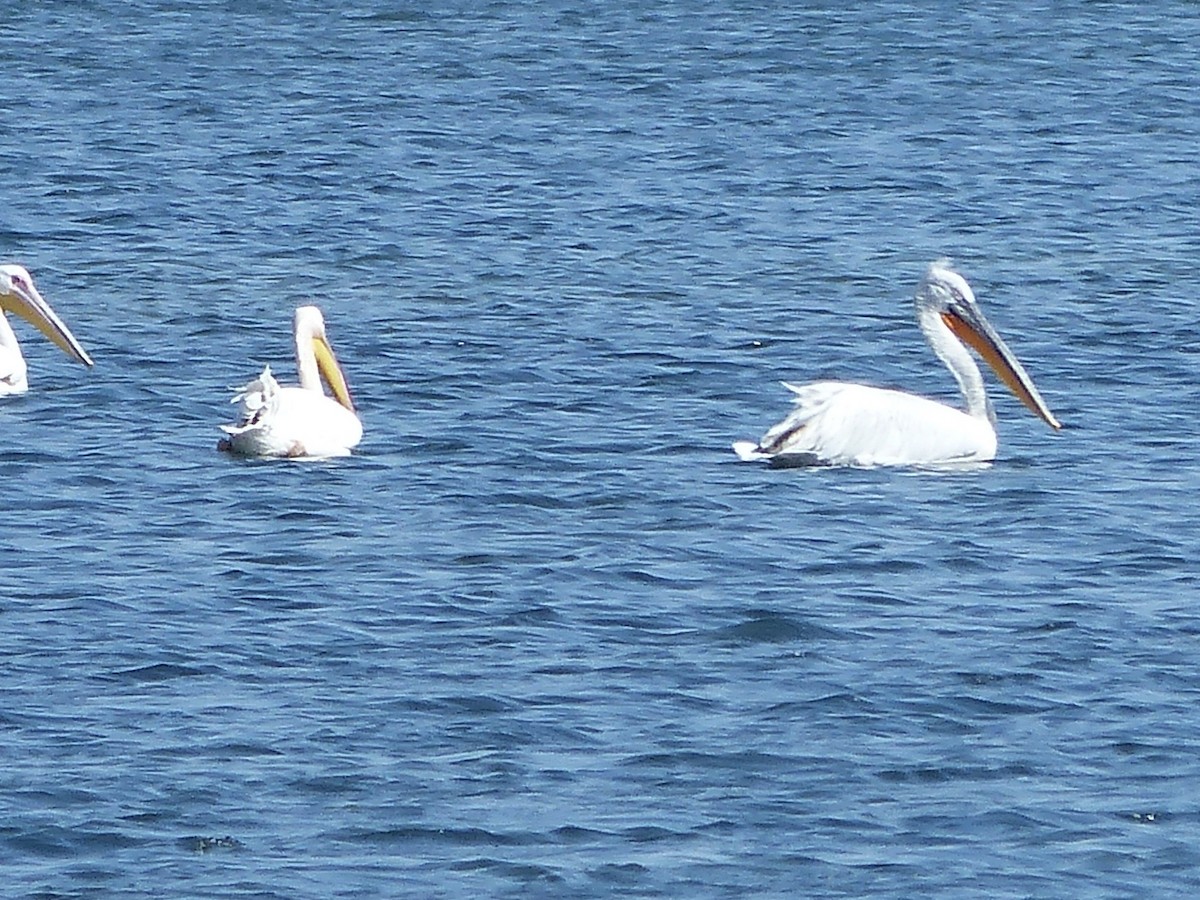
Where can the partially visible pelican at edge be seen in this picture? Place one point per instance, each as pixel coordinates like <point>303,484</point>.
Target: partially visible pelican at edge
<point>839,423</point>
<point>291,421</point>
<point>18,295</point>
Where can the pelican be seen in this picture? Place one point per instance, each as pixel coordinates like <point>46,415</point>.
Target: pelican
<point>298,421</point>
<point>18,295</point>
<point>836,423</point>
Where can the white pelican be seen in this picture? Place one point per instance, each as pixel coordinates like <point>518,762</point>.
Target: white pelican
<point>298,421</point>
<point>835,423</point>
<point>18,295</point>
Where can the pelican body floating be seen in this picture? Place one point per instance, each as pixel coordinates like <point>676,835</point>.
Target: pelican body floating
<point>839,423</point>
<point>297,421</point>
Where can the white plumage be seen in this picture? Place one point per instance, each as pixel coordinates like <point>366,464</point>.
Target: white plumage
<point>19,295</point>
<point>297,421</point>
<point>839,423</point>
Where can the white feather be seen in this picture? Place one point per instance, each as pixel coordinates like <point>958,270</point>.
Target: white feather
<point>841,423</point>
<point>296,421</point>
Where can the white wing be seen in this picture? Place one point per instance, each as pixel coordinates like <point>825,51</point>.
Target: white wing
<point>838,423</point>
<point>291,422</point>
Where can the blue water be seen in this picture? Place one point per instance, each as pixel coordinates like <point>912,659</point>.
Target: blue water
<point>543,634</point>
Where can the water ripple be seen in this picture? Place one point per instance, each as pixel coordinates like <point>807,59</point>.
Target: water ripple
<point>544,634</point>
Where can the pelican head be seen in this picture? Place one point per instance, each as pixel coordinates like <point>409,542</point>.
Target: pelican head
<point>18,295</point>
<point>945,299</point>
<point>315,359</point>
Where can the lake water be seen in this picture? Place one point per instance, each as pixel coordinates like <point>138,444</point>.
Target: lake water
<point>543,634</point>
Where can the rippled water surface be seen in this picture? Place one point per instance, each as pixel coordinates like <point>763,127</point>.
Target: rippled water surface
<point>543,634</point>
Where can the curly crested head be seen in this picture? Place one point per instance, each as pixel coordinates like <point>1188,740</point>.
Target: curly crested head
<point>942,288</point>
